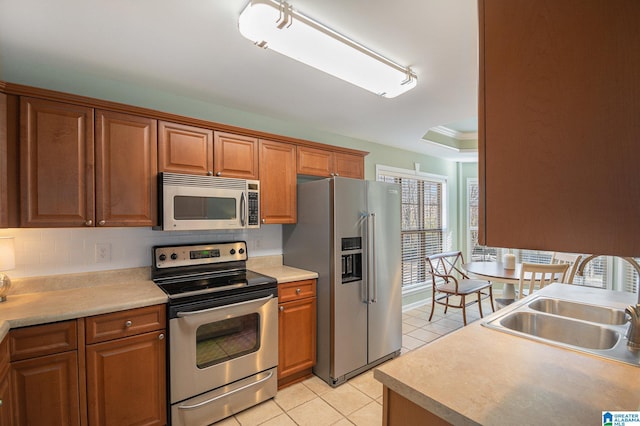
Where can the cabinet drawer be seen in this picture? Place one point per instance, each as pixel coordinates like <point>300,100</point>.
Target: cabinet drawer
<point>101,328</point>
<point>39,340</point>
<point>296,290</point>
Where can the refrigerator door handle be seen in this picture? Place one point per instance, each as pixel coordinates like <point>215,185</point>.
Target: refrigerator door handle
<point>374,256</point>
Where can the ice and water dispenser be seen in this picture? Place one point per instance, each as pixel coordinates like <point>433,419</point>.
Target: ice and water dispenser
<point>351,259</point>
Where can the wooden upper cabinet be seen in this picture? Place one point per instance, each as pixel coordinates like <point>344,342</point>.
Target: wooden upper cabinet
<point>348,165</point>
<point>57,160</point>
<point>558,125</point>
<point>322,162</point>
<point>185,149</point>
<point>67,180</point>
<point>235,156</point>
<point>277,182</point>
<point>126,170</point>
<point>9,110</point>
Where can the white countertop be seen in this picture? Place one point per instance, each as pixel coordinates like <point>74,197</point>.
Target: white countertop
<point>477,375</point>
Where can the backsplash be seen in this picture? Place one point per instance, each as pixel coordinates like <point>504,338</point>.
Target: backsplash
<point>53,251</point>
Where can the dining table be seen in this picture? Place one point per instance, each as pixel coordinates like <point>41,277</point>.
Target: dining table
<point>496,272</point>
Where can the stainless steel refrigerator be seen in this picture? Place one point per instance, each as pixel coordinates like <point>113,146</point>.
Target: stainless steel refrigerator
<point>348,231</point>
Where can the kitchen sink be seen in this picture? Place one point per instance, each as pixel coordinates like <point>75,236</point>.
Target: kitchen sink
<point>569,324</point>
<point>562,330</point>
<point>582,311</point>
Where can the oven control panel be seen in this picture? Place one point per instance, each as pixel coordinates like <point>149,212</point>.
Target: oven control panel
<point>199,254</point>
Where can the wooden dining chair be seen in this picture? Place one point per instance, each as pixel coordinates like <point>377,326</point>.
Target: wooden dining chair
<point>573,260</point>
<point>449,280</point>
<point>538,275</point>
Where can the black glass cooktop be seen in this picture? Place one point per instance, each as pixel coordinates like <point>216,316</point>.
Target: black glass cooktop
<point>218,284</point>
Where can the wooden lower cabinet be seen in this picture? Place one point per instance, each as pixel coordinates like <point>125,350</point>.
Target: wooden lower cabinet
<point>46,390</point>
<point>296,331</point>
<point>399,411</point>
<point>118,378</point>
<point>6,415</point>
<point>125,381</point>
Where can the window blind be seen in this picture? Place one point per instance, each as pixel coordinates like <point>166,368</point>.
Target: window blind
<point>422,229</point>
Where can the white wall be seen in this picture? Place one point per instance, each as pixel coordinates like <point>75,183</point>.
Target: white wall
<point>68,250</point>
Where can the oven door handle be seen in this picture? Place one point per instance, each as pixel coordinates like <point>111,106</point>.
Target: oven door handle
<point>241,388</point>
<point>204,311</point>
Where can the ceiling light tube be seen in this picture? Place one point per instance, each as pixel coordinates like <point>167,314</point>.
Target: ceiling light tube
<point>276,25</point>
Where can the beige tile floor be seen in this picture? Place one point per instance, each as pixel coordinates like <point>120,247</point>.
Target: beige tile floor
<point>359,401</point>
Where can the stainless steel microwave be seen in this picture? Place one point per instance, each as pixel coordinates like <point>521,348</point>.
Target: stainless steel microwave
<point>192,202</point>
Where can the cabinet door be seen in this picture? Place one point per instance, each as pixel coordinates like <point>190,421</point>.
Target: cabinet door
<point>126,170</point>
<point>297,336</point>
<point>45,390</point>
<point>558,125</point>
<point>235,156</point>
<point>8,161</point>
<point>277,182</point>
<point>314,162</point>
<point>56,164</point>
<point>6,416</point>
<point>126,381</point>
<point>348,165</point>
<point>185,149</point>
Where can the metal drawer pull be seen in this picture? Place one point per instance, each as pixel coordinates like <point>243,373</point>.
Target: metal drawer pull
<point>298,291</point>
<point>241,388</point>
<point>281,308</point>
<point>161,336</point>
<point>128,324</point>
<point>187,314</point>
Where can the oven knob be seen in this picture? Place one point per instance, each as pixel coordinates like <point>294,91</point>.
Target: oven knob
<point>232,251</point>
<point>241,251</point>
<point>162,257</point>
<point>174,256</point>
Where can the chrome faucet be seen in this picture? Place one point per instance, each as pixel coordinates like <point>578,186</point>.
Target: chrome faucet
<point>630,260</point>
<point>633,333</point>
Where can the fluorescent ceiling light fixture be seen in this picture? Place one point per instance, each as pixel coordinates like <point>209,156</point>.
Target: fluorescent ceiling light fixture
<point>276,25</point>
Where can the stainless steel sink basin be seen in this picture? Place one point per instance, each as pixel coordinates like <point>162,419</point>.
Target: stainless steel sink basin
<point>562,330</point>
<point>582,311</point>
<point>569,324</point>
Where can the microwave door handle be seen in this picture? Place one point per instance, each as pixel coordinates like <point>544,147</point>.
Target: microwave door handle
<point>243,210</point>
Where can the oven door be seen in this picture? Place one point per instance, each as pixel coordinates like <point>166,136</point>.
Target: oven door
<point>222,341</point>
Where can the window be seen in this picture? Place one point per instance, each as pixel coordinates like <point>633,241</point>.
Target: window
<point>476,252</point>
<point>423,229</point>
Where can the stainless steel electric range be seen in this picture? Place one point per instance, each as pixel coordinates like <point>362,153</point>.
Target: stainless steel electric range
<point>223,330</point>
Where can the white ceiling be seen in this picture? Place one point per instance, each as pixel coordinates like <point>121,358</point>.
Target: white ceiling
<point>193,47</point>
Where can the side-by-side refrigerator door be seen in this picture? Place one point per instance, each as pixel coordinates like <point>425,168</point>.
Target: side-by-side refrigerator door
<point>385,301</point>
<point>349,293</point>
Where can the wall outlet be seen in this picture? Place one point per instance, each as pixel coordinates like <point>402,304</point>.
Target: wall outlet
<point>103,252</point>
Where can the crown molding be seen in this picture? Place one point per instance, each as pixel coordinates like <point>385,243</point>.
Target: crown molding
<point>455,134</point>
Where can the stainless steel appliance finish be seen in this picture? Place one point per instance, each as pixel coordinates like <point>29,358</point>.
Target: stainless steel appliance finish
<point>191,202</point>
<point>223,331</point>
<point>348,231</point>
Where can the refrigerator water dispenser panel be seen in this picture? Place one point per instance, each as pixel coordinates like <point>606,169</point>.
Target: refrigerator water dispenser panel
<point>351,262</point>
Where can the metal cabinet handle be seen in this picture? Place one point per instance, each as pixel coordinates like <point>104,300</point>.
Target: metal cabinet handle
<point>209,173</point>
<point>281,308</point>
<point>128,324</point>
<point>298,291</point>
<point>161,336</point>
<point>200,404</point>
<point>191,313</point>
<point>89,223</point>
<point>0,403</point>
<point>219,174</point>
<point>102,223</point>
